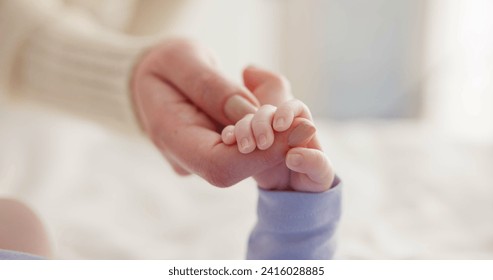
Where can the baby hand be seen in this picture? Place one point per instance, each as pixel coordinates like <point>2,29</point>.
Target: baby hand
<point>257,130</point>
<point>306,168</point>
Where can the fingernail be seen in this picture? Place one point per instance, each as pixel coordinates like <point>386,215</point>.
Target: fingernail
<point>295,159</point>
<point>302,134</point>
<point>237,107</point>
<point>262,141</point>
<point>245,144</point>
<point>279,124</point>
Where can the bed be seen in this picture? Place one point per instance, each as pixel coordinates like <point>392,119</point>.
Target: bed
<point>410,192</point>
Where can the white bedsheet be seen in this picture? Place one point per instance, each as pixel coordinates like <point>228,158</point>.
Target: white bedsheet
<point>409,192</point>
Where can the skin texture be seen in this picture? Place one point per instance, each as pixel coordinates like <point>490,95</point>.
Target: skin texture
<point>309,168</point>
<point>183,103</point>
<point>305,168</point>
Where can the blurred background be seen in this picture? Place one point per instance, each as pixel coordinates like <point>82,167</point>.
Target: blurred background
<point>379,59</point>
<point>402,92</point>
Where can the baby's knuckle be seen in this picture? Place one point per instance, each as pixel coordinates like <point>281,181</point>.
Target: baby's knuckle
<point>245,121</point>
<point>288,104</point>
<point>319,159</point>
<point>324,166</point>
<point>260,124</point>
<point>267,108</point>
<point>293,102</point>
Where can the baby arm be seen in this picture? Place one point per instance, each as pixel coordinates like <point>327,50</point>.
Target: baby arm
<point>299,212</point>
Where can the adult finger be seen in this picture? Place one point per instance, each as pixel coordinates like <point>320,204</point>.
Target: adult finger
<point>268,87</point>
<point>189,137</point>
<point>156,96</point>
<point>188,67</point>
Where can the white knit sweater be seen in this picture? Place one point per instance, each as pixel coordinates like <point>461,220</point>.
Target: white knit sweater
<point>71,54</point>
<point>78,55</point>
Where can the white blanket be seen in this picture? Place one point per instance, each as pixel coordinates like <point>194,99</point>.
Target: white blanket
<point>409,192</point>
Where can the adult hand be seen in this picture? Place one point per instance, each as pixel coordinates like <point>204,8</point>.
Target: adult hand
<point>183,102</point>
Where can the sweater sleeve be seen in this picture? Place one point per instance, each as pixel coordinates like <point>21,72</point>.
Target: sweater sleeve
<point>61,56</point>
<point>295,225</point>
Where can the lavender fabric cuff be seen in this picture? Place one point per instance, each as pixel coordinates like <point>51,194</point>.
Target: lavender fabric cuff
<point>14,255</point>
<point>295,225</point>
<point>297,211</point>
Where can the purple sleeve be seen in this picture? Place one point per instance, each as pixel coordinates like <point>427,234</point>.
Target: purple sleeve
<point>295,225</point>
<point>14,255</point>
